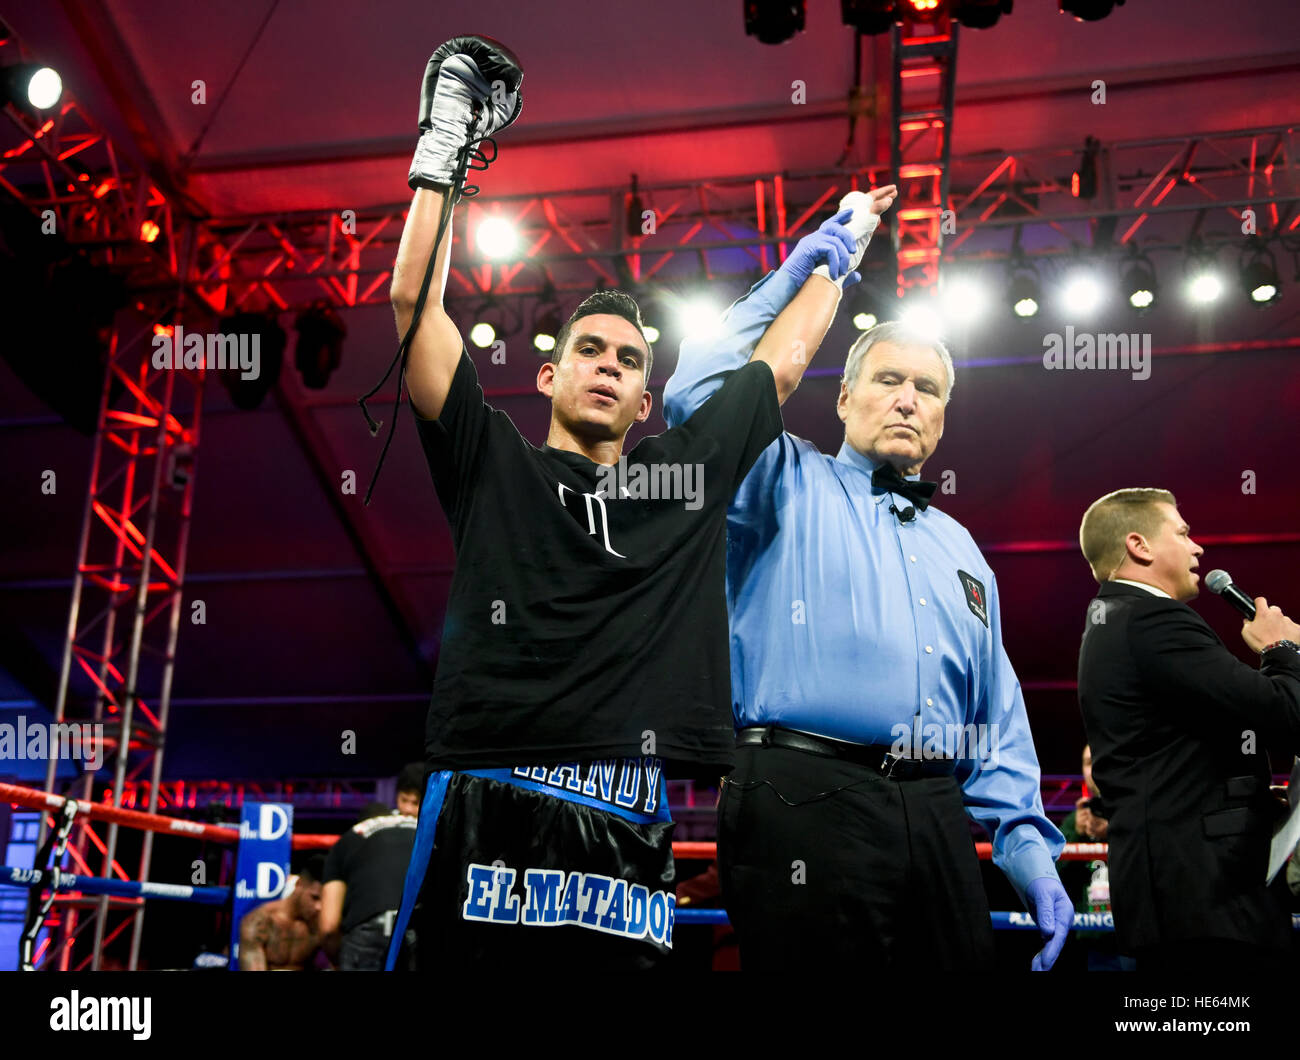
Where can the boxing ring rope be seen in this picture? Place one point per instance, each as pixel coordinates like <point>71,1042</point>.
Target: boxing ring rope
<point>32,799</point>
<point>39,880</point>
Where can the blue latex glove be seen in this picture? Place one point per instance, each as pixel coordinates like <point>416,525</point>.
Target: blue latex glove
<point>831,245</point>
<point>1053,911</point>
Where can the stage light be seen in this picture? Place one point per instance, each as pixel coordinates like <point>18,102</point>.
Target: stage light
<point>1083,182</point>
<point>651,333</point>
<point>921,10</point>
<point>1082,293</point>
<point>496,237</point>
<point>1024,294</point>
<point>482,334</point>
<point>980,14</point>
<point>865,321</point>
<point>261,332</point>
<point>1204,286</point>
<point>869,17</point>
<point>922,318</point>
<point>545,328</point>
<point>632,215</point>
<point>774,21</point>
<point>1260,279</point>
<point>1261,283</point>
<point>319,349</point>
<point>964,299</point>
<point>1139,283</point>
<point>33,85</point>
<point>149,231</point>
<point>699,317</point>
<point>1204,280</point>
<point>1089,10</point>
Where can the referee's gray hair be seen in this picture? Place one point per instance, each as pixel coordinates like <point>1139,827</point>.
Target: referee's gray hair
<point>898,332</point>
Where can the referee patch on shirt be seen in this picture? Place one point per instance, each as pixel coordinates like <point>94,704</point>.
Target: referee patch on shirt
<point>975,596</point>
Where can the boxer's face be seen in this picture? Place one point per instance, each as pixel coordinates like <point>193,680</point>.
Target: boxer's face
<point>1174,556</point>
<point>307,896</point>
<point>894,413</point>
<point>598,389</point>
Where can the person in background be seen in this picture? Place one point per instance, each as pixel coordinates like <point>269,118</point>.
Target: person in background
<point>1089,881</point>
<point>284,935</point>
<point>363,879</point>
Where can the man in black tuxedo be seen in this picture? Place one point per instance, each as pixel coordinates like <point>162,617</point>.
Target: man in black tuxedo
<point>1177,726</point>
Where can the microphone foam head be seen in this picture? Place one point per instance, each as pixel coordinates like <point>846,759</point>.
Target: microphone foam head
<point>1218,580</point>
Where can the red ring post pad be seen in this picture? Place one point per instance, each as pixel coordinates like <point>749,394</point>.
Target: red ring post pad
<point>43,878</point>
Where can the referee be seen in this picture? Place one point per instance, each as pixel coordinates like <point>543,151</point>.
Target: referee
<point>875,704</point>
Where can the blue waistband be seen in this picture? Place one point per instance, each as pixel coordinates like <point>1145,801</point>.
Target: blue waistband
<point>632,788</point>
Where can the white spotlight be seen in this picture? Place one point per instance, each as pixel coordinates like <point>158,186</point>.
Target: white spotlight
<point>497,237</point>
<point>1082,295</point>
<point>1204,287</point>
<point>44,88</point>
<point>923,319</point>
<point>699,317</point>
<point>964,300</point>
<point>482,334</point>
<point>651,334</point>
<point>864,321</point>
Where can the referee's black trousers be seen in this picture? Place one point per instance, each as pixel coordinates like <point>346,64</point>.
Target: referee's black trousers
<point>877,874</point>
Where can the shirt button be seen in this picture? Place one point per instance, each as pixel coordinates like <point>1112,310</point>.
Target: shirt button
<point>912,558</point>
<point>929,702</point>
<point>928,650</point>
<point>923,601</point>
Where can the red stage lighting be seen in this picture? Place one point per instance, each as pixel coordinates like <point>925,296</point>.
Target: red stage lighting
<point>922,10</point>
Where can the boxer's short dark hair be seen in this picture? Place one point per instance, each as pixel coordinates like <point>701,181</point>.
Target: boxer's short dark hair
<point>411,778</point>
<point>312,869</point>
<point>614,303</point>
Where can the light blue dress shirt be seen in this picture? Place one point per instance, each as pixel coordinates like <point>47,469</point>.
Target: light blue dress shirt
<point>847,623</point>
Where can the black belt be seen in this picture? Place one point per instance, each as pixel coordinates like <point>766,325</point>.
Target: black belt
<point>877,757</point>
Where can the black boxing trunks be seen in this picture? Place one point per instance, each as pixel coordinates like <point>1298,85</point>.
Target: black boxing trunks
<point>570,864</point>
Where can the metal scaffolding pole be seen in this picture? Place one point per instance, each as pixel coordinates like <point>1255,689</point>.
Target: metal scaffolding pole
<point>143,461</point>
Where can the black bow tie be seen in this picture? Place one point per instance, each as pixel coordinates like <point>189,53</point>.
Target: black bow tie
<point>919,493</point>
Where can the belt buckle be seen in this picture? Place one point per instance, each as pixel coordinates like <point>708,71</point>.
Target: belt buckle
<point>889,763</point>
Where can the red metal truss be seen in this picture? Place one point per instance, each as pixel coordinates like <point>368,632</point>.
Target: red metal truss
<point>124,618</point>
<point>924,79</point>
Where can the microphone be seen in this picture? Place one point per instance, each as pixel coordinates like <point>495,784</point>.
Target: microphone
<point>906,515</point>
<point>1220,583</point>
